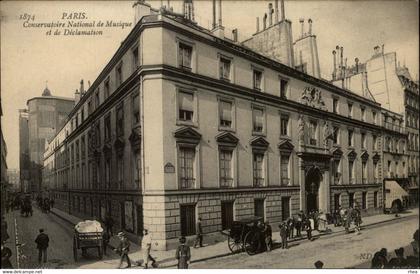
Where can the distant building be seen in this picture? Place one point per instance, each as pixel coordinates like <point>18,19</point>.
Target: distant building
<point>45,115</point>
<point>184,122</point>
<point>14,179</point>
<point>3,166</point>
<point>24,161</point>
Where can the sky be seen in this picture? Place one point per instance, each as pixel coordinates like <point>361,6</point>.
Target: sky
<point>30,59</point>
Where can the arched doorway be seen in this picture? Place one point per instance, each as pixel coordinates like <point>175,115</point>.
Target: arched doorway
<point>312,182</point>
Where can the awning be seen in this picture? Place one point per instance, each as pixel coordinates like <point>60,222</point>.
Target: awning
<point>395,188</point>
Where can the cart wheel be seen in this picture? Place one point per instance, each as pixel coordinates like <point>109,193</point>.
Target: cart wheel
<point>235,244</point>
<point>100,252</point>
<point>251,243</point>
<point>75,249</point>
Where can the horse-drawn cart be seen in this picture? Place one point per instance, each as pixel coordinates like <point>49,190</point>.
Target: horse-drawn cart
<point>87,234</point>
<point>246,235</point>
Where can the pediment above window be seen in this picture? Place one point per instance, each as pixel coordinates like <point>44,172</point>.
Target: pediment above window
<point>259,143</point>
<point>337,153</point>
<point>227,139</point>
<point>286,146</point>
<point>376,158</point>
<point>187,135</point>
<point>364,156</point>
<point>352,155</point>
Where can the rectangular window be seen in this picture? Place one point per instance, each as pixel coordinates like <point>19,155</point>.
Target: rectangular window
<point>350,108</point>
<point>364,200</point>
<point>337,173</point>
<point>186,166</point>
<point>336,201</point>
<point>375,171</point>
<point>107,123</point>
<point>363,113</point>
<point>335,105</point>
<point>120,120</point>
<point>259,208</point>
<point>374,142</point>
<point>108,173</point>
<point>363,140</point>
<point>120,170</point>
<point>82,115</point>
<point>257,79</point>
<point>135,53</point>
<point>258,168</point>
<point>185,56</point>
<point>374,117</point>
<point>284,125</point>
<point>336,134</point>
<point>351,199</point>
<point>187,213</point>
<point>224,70</point>
<point>284,169</point>
<point>106,88</point>
<point>83,147</point>
<point>227,214</point>
<point>225,113</point>
<point>389,169</point>
<point>186,106</point>
<point>136,109</point>
<point>89,107</point>
<point>283,88</point>
<point>351,172</point>
<point>258,119</point>
<point>364,172</point>
<point>285,208</point>
<point>118,75</point>
<point>375,199</point>
<point>225,166</point>
<point>350,138</point>
<point>77,150</point>
<point>313,132</point>
<point>97,102</point>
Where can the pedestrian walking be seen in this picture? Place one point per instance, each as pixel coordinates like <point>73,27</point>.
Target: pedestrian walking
<point>199,234</point>
<point>109,224</point>
<point>42,241</point>
<point>290,227</point>
<point>4,234</point>
<point>6,253</point>
<point>105,240</point>
<point>283,235</point>
<point>298,225</point>
<point>123,249</point>
<point>183,254</point>
<point>268,233</point>
<point>146,246</point>
<point>308,228</point>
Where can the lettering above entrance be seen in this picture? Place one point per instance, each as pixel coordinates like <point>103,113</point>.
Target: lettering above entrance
<point>312,97</point>
<point>187,135</point>
<point>259,143</point>
<point>227,139</point>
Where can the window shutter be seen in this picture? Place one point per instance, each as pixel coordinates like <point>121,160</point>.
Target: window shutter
<point>186,102</point>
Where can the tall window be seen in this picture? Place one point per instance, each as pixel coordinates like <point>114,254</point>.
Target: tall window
<point>364,200</point>
<point>375,199</point>
<point>283,88</point>
<point>284,125</point>
<point>225,166</point>
<point>350,137</point>
<point>136,109</point>
<point>336,134</point>
<point>120,170</point>
<point>335,105</point>
<point>351,172</point>
<point>106,88</point>
<point>336,170</point>
<point>350,108</point>
<point>77,151</point>
<point>89,106</point>
<point>186,167</point>
<point>389,169</point>
<point>284,169</point>
<point>363,139</point>
<point>97,98</point>
<point>351,199</point>
<point>83,147</point>
<point>186,107</point>
<point>135,53</point>
<point>374,142</point>
<point>363,113</point>
<point>258,168</point>
<point>187,214</point>
<point>224,69</point>
<point>107,127</point>
<point>258,119</point>
<point>225,113</point>
<point>257,79</point>
<point>364,172</point>
<point>313,132</point>
<point>118,75</point>
<point>120,120</point>
<point>108,172</point>
<point>185,55</point>
<point>374,117</point>
<point>375,171</point>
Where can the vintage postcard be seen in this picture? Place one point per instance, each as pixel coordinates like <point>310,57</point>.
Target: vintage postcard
<point>209,134</point>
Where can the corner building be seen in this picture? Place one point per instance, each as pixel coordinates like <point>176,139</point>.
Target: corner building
<point>183,123</point>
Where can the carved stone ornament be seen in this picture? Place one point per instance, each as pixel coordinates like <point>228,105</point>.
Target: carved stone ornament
<point>312,97</point>
<point>302,127</point>
<point>328,133</point>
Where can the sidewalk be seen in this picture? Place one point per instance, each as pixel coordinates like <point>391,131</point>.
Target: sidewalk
<point>166,258</point>
<point>11,242</point>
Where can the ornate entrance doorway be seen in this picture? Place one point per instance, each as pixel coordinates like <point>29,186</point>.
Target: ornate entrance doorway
<point>312,181</point>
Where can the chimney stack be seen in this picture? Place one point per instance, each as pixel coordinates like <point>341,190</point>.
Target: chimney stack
<point>341,57</point>
<point>235,35</point>
<point>189,9</point>
<point>265,21</point>
<point>89,84</point>
<point>357,64</point>
<point>76,97</point>
<point>270,14</point>
<point>310,26</point>
<point>82,89</point>
<point>258,24</point>
<point>301,21</point>
<point>220,12</point>
<point>335,64</point>
<point>214,14</point>
<point>282,10</point>
<point>276,11</point>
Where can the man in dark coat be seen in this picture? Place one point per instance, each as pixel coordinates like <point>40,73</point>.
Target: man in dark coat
<point>283,234</point>
<point>105,240</point>
<point>199,234</point>
<point>399,261</point>
<point>308,229</point>
<point>379,259</point>
<point>6,253</point>
<point>123,249</point>
<point>42,241</point>
<point>183,254</point>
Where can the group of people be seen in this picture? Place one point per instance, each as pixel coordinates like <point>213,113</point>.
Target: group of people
<point>380,258</point>
<point>45,204</point>
<point>345,217</point>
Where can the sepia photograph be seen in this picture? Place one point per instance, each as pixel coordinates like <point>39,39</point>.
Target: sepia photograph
<point>209,134</point>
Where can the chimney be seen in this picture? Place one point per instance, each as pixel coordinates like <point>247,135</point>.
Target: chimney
<point>141,9</point>
<point>76,97</point>
<point>235,35</point>
<point>270,14</point>
<point>220,12</point>
<point>282,10</point>
<point>258,24</point>
<point>335,64</point>
<point>214,14</point>
<point>82,89</point>
<point>310,26</point>
<point>301,21</point>
<point>89,84</point>
<point>383,48</point>
<point>189,9</point>
<point>276,11</point>
<point>265,21</point>
<point>341,57</point>
<point>357,64</point>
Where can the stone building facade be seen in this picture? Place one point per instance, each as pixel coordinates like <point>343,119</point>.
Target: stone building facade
<point>24,162</point>
<point>3,167</point>
<point>205,127</point>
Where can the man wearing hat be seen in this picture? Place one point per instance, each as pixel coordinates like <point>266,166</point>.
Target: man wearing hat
<point>183,254</point>
<point>123,249</point>
<point>318,264</point>
<point>146,246</point>
<point>42,241</point>
<point>400,261</point>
